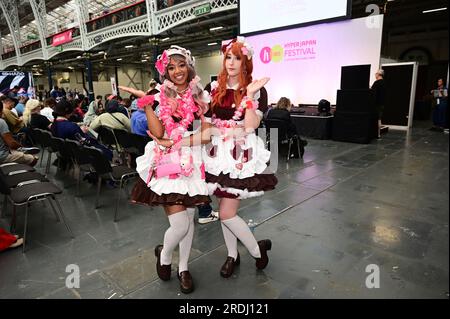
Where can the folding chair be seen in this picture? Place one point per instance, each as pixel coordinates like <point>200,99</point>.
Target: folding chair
<point>284,137</point>
<point>104,170</point>
<point>28,192</point>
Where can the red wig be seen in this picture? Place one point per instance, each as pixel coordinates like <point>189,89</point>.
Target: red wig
<point>245,76</point>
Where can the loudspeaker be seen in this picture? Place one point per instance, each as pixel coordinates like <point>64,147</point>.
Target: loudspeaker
<point>354,127</point>
<point>358,101</point>
<point>324,107</point>
<point>354,77</point>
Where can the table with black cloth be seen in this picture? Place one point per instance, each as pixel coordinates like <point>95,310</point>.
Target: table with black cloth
<point>309,124</point>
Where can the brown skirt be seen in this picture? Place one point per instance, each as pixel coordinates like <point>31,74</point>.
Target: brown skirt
<point>142,194</point>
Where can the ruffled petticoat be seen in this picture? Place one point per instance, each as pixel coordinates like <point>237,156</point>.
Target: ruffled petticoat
<point>184,190</point>
<point>238,169</point>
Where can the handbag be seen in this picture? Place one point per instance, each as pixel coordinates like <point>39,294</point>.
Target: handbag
<point>168,164</point>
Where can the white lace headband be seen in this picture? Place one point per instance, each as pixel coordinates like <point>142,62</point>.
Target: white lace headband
<point>163,59</point>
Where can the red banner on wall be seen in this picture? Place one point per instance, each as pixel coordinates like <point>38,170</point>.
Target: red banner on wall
<point>61,38</point>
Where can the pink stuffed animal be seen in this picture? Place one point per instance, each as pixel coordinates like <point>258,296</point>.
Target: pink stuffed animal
<point>187,164</point>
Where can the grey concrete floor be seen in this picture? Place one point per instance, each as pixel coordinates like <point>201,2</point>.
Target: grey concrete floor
<point>342,208</point>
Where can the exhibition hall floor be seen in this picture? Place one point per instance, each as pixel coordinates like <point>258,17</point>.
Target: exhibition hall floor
<point>342,208</point>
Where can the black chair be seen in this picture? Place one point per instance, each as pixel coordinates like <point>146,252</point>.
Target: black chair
<point>125,147</point>
<point>14,168</point>
<point>80,160</point>
<point>139,142</point>
<point>58,146</point>
<point>36,140</point>
<point>132,144</point>
<point>284,136</point>
<point>46,142</point>
<point>15,179</point>
<point>104,170</point>
<point>123,139</point>
<point>28,192</point>
<point>107,137</point>
<point>35,136</point>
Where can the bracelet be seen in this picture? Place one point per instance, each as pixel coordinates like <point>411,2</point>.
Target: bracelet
<point>249,104</point>
<point>147,100</point>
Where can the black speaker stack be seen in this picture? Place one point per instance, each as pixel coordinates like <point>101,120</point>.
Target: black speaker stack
<point>355,119</point>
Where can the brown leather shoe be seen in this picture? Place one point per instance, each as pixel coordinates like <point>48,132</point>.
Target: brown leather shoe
<point>228,267</point>
<point>163,271</point>
<point>264,246</point>
<point>186,282</point>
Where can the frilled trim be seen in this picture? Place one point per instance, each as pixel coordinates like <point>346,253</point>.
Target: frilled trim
<point>185,185</point>
<point>240,161</point>
<point>257,183</point>
<point>228,192</point>
<point>141,194</point>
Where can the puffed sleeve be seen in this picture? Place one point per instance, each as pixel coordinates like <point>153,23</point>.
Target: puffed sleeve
<point>211,89</point>
<point>262,98</point>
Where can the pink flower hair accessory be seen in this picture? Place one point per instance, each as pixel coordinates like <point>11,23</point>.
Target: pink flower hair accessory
<point>162,63</point>
<point>246,50</point>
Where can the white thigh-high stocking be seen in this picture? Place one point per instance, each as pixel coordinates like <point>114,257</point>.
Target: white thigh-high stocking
<point>230,241</point>
<point>179,226</point>
<point>240,229</point>
<point>186,242</point>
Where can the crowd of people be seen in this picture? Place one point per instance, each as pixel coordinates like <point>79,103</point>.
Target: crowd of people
<point>65,116</point>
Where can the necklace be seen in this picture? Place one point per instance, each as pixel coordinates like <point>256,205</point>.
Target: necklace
<point>182,91</point>
<point>246,103</point>
<point>229,123</point>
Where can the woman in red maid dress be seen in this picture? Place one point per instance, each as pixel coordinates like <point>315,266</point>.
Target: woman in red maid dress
<point>236,160</point>
<point>171,170</point>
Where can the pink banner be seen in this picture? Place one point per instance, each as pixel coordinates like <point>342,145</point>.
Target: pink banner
<point>62,38</point>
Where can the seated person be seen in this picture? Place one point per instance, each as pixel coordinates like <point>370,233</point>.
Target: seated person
<point>15,123</point>
<point>62,127</point>
<point>32,117</point>
<point>126,104</point>
<point>282,112</point>
<point>92,112</point>
<point>47,110</point>
<point>139,123</point>
<point>113,118</point>
<point>20,107</point>
<point>65,129</point>
<point>78,113</point>
<point>9,146</point>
